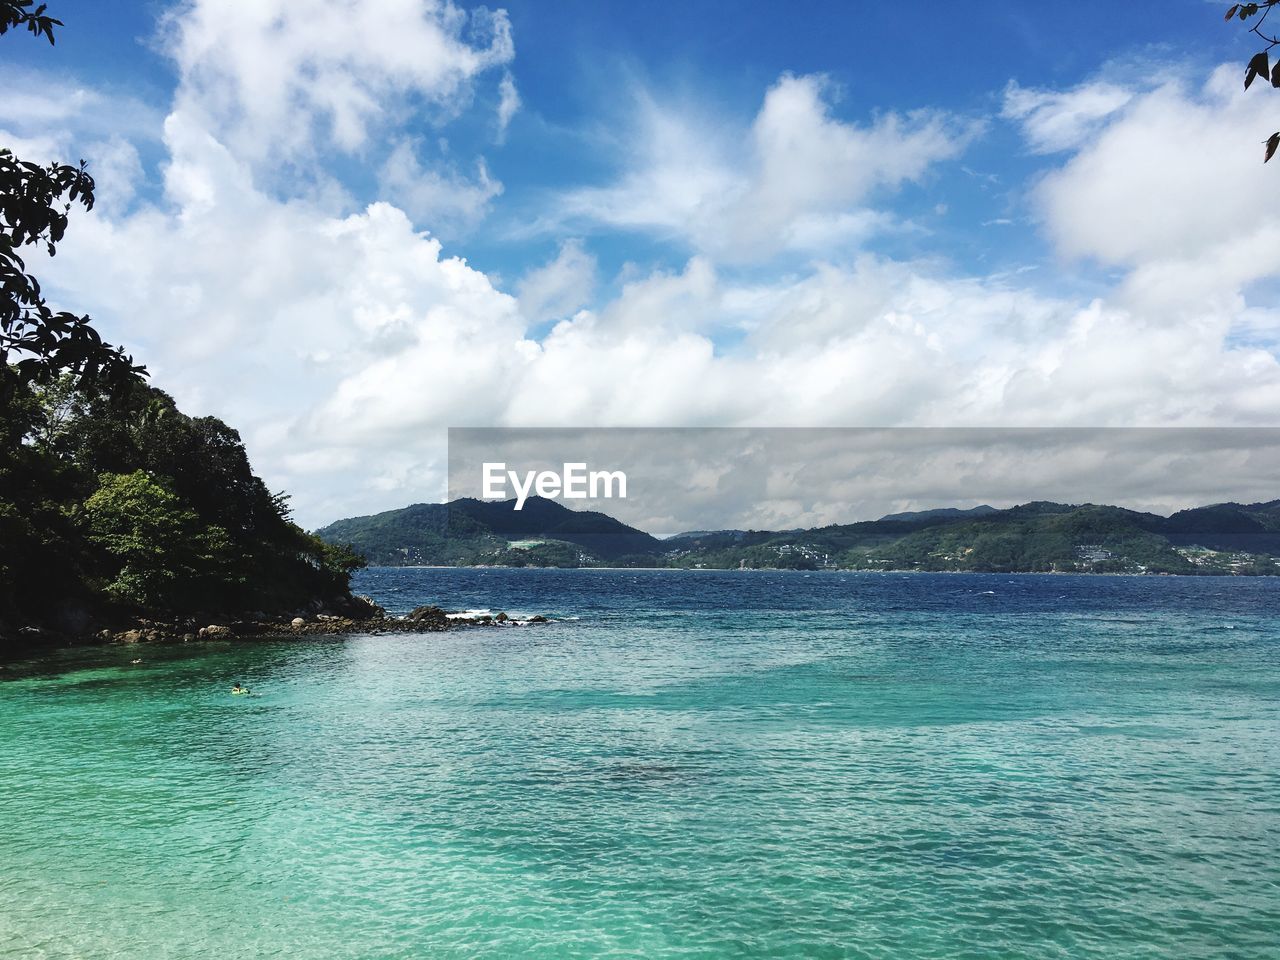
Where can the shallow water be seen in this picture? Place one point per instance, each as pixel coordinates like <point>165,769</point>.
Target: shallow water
<point>700,765</point>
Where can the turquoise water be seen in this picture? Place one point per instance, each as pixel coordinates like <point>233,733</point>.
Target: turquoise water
<point>701,765</point>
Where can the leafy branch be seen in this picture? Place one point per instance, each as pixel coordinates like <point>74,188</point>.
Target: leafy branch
<point>14,14</point>
<point>37,344</point>
<point>1260,63</point>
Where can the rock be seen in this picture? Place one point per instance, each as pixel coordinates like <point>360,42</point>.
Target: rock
<point>364,608</point>
<point>215,631</point>
<point>299,622</point>
<point>188,637</point>
<point>130,636</point>
<point>538,619</point>
<point>426,613</point>
<point>502,618</point>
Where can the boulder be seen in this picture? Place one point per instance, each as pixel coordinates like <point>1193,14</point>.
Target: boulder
<point>215,632</point>
<point>299,622</point>
<point>426,613</point>
<point>538,619</point>
<point>364,608</point>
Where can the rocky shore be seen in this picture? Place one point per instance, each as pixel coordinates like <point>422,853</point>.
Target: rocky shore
<point>350,615</point>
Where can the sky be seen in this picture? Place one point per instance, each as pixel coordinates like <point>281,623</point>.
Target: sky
<point>344,227</point>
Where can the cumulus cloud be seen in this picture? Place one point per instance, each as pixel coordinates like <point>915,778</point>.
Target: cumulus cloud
<point>1172,189</point>
<point>798,178</point>
<point>281,79</point>
<point>342,339</point>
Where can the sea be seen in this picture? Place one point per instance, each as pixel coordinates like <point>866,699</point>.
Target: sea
<point>685,764</point>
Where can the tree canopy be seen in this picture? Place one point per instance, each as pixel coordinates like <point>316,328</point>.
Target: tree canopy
<point>116,504</point>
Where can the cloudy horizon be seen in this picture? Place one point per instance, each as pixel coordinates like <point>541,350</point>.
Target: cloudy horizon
<point>762,478</point>
<point>345,228</point>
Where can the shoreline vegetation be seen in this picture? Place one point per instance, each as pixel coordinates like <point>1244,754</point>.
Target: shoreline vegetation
<point>116,507</point>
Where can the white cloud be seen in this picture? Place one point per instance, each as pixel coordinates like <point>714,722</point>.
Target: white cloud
<point>1173,189</point>
<point>342,343</point>
<point>508,103</point>
<point>277,80</point>
<point>43,104</point>
<point>558,288</point>
<point>797,179</point>
<point>1062,120</point>
<point>442,198</point>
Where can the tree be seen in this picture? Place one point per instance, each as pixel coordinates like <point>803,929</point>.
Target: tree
<point>165,557</point>
<point>1260,64</point>
<point>36,342</point>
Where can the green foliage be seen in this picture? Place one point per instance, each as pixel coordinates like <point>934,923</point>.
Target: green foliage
<point>122,503</point>
<point>165,557</point>
<point>471,532</point>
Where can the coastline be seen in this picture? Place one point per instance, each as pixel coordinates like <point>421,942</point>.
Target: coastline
<point>421,620</point>
<point>1208,575</point>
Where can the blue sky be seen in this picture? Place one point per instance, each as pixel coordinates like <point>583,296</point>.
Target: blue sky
<point>346,226</point>
<point>579,66</point>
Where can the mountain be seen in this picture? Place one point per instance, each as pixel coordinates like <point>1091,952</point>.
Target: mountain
<point>1039,536</point>
<point>942,513</point>
<point>468,532</point>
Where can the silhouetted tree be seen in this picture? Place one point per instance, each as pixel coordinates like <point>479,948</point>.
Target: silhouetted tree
<point>1260,64</point>
<point>36,342</point>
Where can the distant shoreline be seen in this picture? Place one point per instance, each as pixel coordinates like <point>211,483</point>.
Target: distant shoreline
<point>835,570</point>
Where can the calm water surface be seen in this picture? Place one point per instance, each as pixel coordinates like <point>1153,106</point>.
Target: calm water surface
<point>699,765</point>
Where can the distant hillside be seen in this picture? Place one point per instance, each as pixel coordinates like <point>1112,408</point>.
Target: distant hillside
<point>942,513</point>
<point>1041,536</point>
<point>470,532</point>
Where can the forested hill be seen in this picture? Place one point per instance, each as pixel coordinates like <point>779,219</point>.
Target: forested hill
<point>119,505</point>
<point>1033,537</point>
<point>471,531</point>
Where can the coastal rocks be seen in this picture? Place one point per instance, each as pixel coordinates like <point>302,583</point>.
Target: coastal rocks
<point>424,613</point>
<point>352,608</point>
<point>424,619</point>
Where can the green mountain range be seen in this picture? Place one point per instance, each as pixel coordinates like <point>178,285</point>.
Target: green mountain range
<point>1225,538</point>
